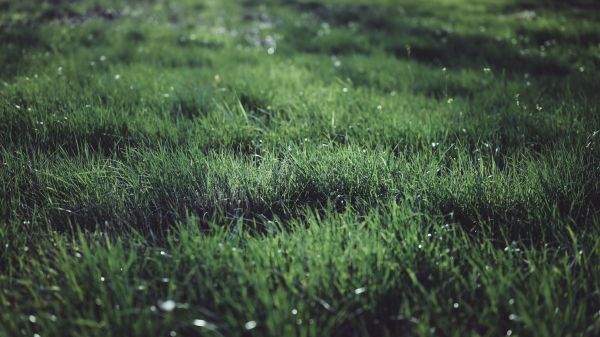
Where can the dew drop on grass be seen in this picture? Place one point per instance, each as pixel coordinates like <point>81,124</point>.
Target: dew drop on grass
<point>204,324</point>
<point>167,305</point>
<point>360,290</point>
<point>199,322</point>
<point>250,325</point>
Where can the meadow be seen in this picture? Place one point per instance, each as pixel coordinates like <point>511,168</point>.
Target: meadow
<point>299,168</point>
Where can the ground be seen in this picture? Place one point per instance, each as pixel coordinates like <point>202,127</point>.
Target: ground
<point>299,168</point>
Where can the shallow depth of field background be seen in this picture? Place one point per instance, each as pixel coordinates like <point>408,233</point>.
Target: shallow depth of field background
<point>299,168</point>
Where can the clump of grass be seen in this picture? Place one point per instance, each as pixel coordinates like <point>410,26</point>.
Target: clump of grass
<point>334,274</point>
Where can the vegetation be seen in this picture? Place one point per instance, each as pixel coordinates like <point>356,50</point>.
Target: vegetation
<point>299,168</point>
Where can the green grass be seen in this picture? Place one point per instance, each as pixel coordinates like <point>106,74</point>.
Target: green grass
<point>299,168</point>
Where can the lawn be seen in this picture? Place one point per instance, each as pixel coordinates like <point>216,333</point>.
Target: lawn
<point>299,168</point>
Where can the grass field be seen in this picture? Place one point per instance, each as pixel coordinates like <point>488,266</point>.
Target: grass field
<point>299,168</point>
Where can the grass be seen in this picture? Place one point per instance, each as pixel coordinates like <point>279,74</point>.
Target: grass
<point>309,168</point>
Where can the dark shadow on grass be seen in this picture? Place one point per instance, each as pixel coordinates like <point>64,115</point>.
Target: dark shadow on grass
<point>474,52</point>
<point>403,36</point>
<point>16,42</point>
<point>107,140</point>
<point>586,6</point>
